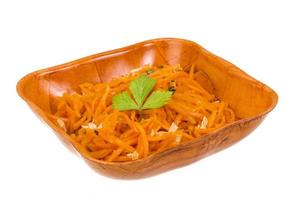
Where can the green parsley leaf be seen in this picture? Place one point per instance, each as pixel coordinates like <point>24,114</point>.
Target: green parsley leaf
<point>123,101</point>
<point>157,99</point>
<point>140,88</point>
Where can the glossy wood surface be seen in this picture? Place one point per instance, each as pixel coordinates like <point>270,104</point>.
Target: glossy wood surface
<point>250,99</point>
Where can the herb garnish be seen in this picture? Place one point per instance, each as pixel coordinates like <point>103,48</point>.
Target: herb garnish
<point>140,89</point>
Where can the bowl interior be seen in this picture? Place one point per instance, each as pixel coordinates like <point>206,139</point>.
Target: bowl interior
<point>245,95</point>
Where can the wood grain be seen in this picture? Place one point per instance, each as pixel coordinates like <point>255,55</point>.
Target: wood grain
<point>250,99</point>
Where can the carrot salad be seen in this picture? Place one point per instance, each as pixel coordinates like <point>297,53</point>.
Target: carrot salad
<point>149,110</point>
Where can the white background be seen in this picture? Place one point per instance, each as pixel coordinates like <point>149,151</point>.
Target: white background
<point>261,37</point>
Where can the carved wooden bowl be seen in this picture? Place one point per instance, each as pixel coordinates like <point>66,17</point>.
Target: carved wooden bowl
<point>250,99</point>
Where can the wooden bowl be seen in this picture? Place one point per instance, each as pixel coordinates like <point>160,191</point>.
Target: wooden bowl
<point>250,99</point>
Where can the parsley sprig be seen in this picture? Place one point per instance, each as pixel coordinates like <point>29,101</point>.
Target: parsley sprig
<point>140,89</point>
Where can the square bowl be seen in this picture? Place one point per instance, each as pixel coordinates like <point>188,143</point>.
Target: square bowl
<point>250,99</point>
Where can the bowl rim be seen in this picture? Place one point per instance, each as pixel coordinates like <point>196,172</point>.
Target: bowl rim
<point>87,59</point>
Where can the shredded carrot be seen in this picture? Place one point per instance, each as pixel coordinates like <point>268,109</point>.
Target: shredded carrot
<point>122,136</point>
